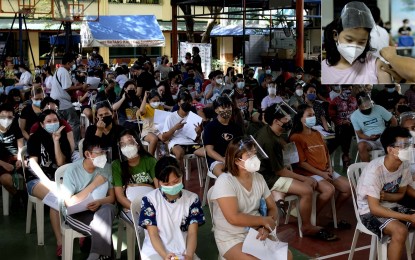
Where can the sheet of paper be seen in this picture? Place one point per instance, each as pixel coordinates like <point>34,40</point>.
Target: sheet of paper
<point>290,154</point>
<point>266,249</point>
<point>81,206</point>
<point>189,128</point>
<point>322,131</point>
<point>160,117</point>
<point>51,200</point>
<point>133,192</point>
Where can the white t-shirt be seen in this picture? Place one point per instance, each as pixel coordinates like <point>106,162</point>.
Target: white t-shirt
<point>178,137</point>
<point>228,185</point>
<point>376,178</point>
<point>269,101</point>
<point>48,83</point>
<point>25,79</point>
<point>60,82</point>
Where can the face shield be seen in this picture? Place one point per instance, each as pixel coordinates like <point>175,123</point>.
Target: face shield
<point>407,120</point>
<point>254,154</point>
<point>356,15</point>
<point>128,147</point>
<point>365,103</point>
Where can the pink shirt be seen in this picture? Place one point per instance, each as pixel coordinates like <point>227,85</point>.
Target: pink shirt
<point>358,73</point>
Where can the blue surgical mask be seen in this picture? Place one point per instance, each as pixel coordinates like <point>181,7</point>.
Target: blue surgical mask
<point>310,121</point>
<point>390,90</point>
<point>36,103</point>
<point>172,190</point>
<point>52,127</point>
<point>311,96</point>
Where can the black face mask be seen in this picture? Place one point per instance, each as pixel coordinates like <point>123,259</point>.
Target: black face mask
<point>250,75</point>
<point>186,107</point>
<point>403,108</point>
<point>287,126</point>
<point>191,75</point>
<point>131,93</point>
<point>366,111</point>
<point>107,120</point>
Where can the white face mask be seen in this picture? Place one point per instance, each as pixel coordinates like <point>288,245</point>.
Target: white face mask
<point>154,104</point>
<point>272,91</point>
<point>406,155</point>
<point>130,151</point>
<point>299,76</point>
<point>268,72</point>
<point>6,122</point>
<point>99,161</point>
<point>350,52</point>
<point>299,92</point>
<point>219,81</point>
<point>252,164</point>
<point>240,84</point>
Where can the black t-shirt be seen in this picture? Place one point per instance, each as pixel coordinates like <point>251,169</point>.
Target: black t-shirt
<point>30,116</point>
<point>106,141</point>
<point>251,84</point>
<point>404,30</point>
<point>259,94</point>
<point>8,141</point>
<point>220,136</point>
<point>387,100</point>
<point>146,81</point>
<point>102,95</point>
<point>272,146</point>
<point>40,145</point>
<point>197,62</point>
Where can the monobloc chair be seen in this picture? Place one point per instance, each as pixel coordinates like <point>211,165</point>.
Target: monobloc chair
<point>376,247</point>
<point>68,234</point>
<point>38,206</point>
<point>210,203</point>
<point>373,154</point>
<point>129,226</point>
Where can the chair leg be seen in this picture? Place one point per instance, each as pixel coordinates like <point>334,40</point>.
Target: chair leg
<point>354,242</point>
<point>40,223</point>
<point>130,243</point>
<point>5,195</point>
<point>287,217</point>
<point>375,249</point>
<point>408,248</point>
<point>300,222</point>
<point>333,209</point>
<point>119,239</point>
<point>200,171</point>
<point>314,209</point>
<point>205,190</point>
<point>67,245</point>
<point>29,215</point>
<point>382,250</point>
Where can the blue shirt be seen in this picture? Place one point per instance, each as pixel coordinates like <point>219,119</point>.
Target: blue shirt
<point>371,124</point>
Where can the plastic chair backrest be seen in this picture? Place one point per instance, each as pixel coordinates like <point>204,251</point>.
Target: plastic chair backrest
<point>210,203</point>
<point>135,213</point>
<point>353,173</point>
<point>58,180</point>
<point>80,147</point>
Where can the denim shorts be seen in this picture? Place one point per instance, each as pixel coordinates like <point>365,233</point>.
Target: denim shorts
<point>30,185</point>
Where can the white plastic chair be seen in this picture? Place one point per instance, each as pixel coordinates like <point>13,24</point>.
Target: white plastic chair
<point>6,198</point>
<point>314,213</point>
<point>373,154</point>
<point>376,247</point>
<point>187,166</point>
<point>135,213</point>
<point>130,239</point>
<point>39,207</point>
<point>80,147</point>
<point>210,203</point>
<point>296,199</point>
<point>209,175</point>
<point>129,226</point>
<point>68,234</point>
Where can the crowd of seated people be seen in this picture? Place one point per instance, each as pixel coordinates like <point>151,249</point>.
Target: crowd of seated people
<point>124,130</point>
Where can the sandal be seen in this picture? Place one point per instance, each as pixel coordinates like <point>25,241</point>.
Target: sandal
<point>281,204</point>
<point>342,224</point>
<point>324,235</point>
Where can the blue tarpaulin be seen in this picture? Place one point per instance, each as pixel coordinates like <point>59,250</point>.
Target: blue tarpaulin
<point>122,31</point>
<point>235,30</point>
<point>61,39</point>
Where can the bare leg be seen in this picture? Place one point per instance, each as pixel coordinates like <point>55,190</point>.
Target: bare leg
<point>200,152</point>
<point>326,190</point>
<point>236,253</point>
<point>364,149</point>
<point>152,140</point>
<point>178,151</point>
<point>6,180</point>
<point>343,187</point>
<point>88,113</point>
<point>218,169</point>
<point>398,233</point>
<point>305,192</point>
